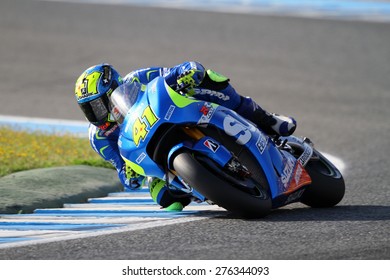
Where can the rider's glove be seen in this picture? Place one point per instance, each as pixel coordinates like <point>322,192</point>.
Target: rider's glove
<point>191,78</point>
<point>130,179</point>
<point>136,183</point>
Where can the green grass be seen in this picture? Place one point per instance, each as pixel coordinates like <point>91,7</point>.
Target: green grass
<point>20,150</point>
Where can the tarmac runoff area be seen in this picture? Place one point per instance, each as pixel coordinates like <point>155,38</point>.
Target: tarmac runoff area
<point>25,191</point>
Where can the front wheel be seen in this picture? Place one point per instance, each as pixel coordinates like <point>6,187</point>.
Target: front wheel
<point>210,183</point>
<point>327,188</point>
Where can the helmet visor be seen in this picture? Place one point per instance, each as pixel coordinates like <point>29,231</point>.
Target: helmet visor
<point>96,111</point>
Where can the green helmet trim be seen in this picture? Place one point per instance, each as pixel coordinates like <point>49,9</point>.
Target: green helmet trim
<point>216,77</point>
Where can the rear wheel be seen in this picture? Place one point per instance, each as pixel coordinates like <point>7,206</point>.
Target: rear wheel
<point>327,188</point>
<point>242,196</point>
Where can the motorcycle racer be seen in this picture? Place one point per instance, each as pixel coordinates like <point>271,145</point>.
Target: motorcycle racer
<point>95,85</point>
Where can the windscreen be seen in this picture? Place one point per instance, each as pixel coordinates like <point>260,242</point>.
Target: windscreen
<point>122,99</point>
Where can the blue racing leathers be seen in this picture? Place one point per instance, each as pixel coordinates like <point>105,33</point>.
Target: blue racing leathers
<point>105,143</point>
<point>213,88</point>
<point>206,85</point>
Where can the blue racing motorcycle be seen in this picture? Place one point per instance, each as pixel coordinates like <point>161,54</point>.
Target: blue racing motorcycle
<point>215,155</point>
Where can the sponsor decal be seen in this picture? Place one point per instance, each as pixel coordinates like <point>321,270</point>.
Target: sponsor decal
<point>140,158</point>
<point>213,146</point>
<point>294,179</point>
<point>169,113</point>
<point>105,126</point>
<point>212,93</point>
<point>111,130</point>
<point>143,124</point>
<point>261,143</point>
<point>106,75</point>
<point>235,128</point>
<point>306,155</point>
<point>207,111</point>
<point>287,172</point>
<point>86,85</point>
<point>115,114</point>
<point>298,174</point>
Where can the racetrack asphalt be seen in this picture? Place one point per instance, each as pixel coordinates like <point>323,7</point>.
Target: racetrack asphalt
<point>332,76</point>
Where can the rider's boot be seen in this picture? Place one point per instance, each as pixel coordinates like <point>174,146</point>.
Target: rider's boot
<point>170,200</point>
<point>272,124</point>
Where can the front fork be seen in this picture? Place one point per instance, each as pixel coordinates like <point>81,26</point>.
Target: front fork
<point>210,148</point>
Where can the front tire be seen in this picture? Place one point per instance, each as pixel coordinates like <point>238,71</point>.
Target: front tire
<point>221,192</point>
<point>327,188</point>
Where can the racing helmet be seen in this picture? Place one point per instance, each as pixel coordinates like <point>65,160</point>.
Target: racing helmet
<point>92,90</point>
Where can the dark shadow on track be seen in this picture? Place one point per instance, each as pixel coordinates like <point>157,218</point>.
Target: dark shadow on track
<point>338,213</point>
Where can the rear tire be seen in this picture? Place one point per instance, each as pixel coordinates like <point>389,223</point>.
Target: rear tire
<point>221,192</point>
<point>327,188</point>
